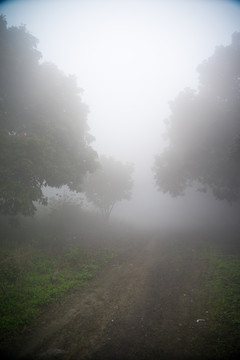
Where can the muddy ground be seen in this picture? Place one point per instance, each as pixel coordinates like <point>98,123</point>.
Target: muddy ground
<point>143,305</point>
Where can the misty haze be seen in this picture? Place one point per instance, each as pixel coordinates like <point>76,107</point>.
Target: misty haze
<point>119,179</point>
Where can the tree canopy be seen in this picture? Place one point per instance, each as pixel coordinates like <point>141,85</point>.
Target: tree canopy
<point>108,185</point>
<point>203,130</point>
<point>44,139</point>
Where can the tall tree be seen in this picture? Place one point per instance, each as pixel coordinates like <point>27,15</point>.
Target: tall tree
<point>204,130</point>
<point>110,184</point>
<point>44,139</point>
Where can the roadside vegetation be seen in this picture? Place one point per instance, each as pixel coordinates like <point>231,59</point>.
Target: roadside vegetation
<point>44,258</point>
<point>202,271</point>
<point>223,291</point>
<point>32,278</point>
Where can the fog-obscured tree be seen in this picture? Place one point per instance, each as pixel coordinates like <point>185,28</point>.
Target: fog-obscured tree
<point>44,138</point>
<point>204,130</point>
<point>108,185</point>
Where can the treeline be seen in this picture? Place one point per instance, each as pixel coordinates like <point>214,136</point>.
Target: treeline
<point>45,139</point>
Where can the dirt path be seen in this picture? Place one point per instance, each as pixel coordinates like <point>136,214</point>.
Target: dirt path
<point>143,306</point>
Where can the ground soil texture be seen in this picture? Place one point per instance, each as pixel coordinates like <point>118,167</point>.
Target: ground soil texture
<point>143,305</point>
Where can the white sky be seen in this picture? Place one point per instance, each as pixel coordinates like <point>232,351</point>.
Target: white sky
<point>131,58</point>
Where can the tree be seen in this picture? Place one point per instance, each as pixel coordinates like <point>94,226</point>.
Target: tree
<point>204,130</point>
<point>110,184</point>
<point>44,139</point>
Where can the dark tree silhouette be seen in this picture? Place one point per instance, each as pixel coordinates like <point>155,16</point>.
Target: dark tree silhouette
<point>204,130</point>
<point>44,136</point>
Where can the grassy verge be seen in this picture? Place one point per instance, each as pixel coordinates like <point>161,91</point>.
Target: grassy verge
<point>208,274</point>
<point>223,292</point>
<point>31,279</point>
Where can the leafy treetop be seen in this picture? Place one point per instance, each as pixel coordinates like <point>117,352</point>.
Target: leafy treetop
<point>44,137</point>
<point>204,130</point>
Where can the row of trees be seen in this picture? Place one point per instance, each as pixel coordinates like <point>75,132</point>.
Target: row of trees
<point>45,140</point>
<point>44,136</point>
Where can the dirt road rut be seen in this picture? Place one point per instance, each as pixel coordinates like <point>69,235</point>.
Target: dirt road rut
<point>142,306</point>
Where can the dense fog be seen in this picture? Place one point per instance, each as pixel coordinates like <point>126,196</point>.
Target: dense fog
<point>131,59</point>
<point>119,179</point>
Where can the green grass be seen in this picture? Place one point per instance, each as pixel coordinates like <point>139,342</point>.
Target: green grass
<point>31,279</point>
<point>223,291</point>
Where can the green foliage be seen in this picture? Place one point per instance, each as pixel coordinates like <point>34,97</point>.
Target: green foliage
<point>109,184</point>
<point>204,129</point>
<point>19,185</point>
<point>223,289</point>
<point>44,138</point>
